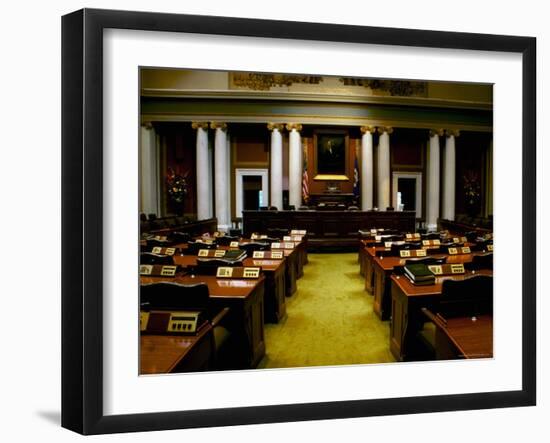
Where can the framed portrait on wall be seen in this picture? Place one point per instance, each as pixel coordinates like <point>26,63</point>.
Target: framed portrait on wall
<point>331,151</point>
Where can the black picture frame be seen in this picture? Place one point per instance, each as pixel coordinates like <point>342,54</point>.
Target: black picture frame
<point>82,194</point>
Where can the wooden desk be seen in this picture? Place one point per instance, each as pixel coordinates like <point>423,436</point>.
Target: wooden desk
<point>407,300</point>
<point>275,287</point>
<point>462,337</point>
<point>275,283</point>
<point>327,229</point>
<point>294,262</point>
<point>163,354</point>
<point>382,268</point>
<point>245,298</point>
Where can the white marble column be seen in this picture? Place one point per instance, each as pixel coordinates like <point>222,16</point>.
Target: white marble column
<point>449,175</point>
<point>383,169</point>
<point>204,180</point>
<point>149,168</point>
<point>432,206</point>
<point>367,169</point>
<point>221,177</point>
<point>276,165</point>
<point>294,165</point>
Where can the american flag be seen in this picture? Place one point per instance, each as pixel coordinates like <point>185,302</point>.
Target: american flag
<point>356,179</point>
<point>305,179</point>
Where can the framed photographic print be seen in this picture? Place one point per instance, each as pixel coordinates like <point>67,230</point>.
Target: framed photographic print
<point>212,278</point>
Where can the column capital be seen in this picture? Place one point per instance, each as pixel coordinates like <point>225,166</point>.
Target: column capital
<point>434,132</point>
<point>147,125</point>
<point>272,126</point>
<point>366,128</point>
<point>201,125</point>
<point>386,129</point>
<point>219,125</point>
<point>291,126</point>
<point>452,132</point>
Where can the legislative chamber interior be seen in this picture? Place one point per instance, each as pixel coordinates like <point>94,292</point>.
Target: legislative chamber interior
<point>291,220</point>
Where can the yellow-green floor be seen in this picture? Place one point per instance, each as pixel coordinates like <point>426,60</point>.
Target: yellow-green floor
<point>329,321</point>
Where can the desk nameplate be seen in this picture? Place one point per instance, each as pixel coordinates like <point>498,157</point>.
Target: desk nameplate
<point>238,272</point>
<point>431,242</point>
<point>158,270</point>
<point>284,245</point>
<point>447,269</point>
<point>275,255</point>
<point>170,322</point>
<point>460,251</point>
<point>406,253</point>
<point>212,253</point>
<point>163,251</point>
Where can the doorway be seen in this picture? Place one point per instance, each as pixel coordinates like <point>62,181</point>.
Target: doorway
<point>409,184</point>
<point>251,189</point>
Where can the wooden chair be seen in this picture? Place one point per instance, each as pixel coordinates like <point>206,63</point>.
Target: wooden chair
<point>430,236</point>
<point>180,237</point>
<point>277,233</point>
<point>226,240</point>
<point>482,261</point>
<point>193,248</point>
<point>254,246</point>
<point>171,296</point>
<point>148,258</point>
<point>470,297</point>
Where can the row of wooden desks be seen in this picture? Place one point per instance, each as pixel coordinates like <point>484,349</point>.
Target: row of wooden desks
<point>245,299</point>
<point>377,270</point>
<point>275,282</point>
<point>407,301</point>
<point>250,303</point>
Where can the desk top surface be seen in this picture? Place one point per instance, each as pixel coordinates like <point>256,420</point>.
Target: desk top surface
<point>412,290</point>
<point>217,287</point>
<point>159,354</point>
<point>473,338</point>
<point>387,264</point>
<point>266,265</point>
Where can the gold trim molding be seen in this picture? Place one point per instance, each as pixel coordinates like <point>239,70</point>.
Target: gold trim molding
<point>452,132</point>
<point>219,125</point>
<point>387,129</point>
<point>201,125</point>
<point>365,129</point>
<point>439,132</point>
<point>291,126</point>
<point>264,82</point>
<point>279,126</point>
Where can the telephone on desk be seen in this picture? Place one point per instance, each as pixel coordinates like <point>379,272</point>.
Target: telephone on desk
<point>171,322</point>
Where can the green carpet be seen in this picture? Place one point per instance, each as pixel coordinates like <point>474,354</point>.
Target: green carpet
<point>330,320</point>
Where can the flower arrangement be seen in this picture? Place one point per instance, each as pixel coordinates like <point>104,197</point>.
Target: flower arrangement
<point>176,185</point>
<point>472,188</point>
